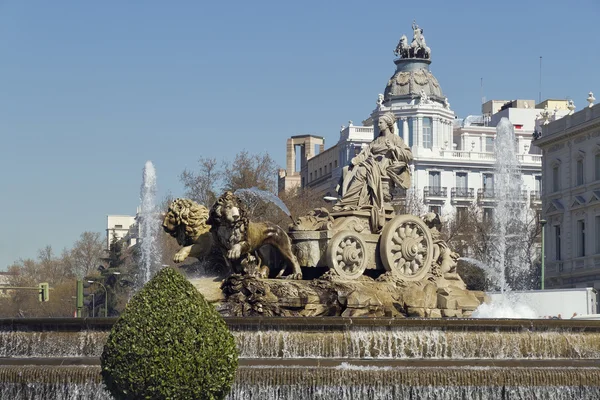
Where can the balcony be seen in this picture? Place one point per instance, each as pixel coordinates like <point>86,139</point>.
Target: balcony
<point>486,194</point>
<point>462,193</point>
<point>434,191</point>
<point>488,156</point>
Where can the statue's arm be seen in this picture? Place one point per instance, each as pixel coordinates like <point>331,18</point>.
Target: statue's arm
<point>362,156</point>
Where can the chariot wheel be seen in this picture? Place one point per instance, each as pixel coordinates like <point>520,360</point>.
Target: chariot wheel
<point>346,254</point>
<point>406,247</point>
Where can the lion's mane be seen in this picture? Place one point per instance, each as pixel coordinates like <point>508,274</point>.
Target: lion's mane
<point>188,215</point>
<point>217,217</point>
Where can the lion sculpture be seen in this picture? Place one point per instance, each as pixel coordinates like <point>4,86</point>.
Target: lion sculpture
<point>238,237</point>
<point>186,221</point>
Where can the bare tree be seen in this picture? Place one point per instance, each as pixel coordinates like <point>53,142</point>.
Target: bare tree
<point>250,170</point>
<point>202,186</point>
<point>86,254</point>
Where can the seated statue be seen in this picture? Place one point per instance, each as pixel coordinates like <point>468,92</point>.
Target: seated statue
<point>386,157</point>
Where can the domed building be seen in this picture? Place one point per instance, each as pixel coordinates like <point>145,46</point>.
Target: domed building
<point>453,159</point>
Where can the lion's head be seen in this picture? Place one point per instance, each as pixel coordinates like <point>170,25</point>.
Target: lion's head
<point>186,220</point>
<point>227,210</point>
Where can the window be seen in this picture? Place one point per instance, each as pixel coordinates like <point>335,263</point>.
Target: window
<point>538,184</point>
<point>557,255</point>
<point>434,179</point>
<point>597,166</point>
<point>488,215</point>
<point>330,169</point>
<point>320,172</point>
<point>335,163</point>
<point>597,234</point>
<point>489,144</point>
<point>580,172</point>
<point>461,213</point>
<point>118,226</point>
<point>488,184</point>
<point>435,209</point>
<point>581,238</point>
<point>462,186</point>
<point>555,178</point>
<point>310,179</point>
<point>400,125</point>
<point>427,133</point>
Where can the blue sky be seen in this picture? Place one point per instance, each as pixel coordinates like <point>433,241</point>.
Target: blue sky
<point>91,90</point>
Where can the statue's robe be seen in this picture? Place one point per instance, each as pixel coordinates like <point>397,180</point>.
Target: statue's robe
<point>363,187</point>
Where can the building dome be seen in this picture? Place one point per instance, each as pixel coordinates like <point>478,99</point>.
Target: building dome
<point>411,79</point>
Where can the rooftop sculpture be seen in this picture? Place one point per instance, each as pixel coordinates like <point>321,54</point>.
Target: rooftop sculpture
<point>417,48</point>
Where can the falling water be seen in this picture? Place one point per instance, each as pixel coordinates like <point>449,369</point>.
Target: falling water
<point>256,193</point>
<point>148,227</point>
<point>507,259</point>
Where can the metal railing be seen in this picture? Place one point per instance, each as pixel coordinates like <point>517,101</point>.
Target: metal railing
<point>462,192</point>
<point>434,191</point>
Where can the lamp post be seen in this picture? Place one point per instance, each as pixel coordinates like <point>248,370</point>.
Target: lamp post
<point>105,297</point>
<point>543,223</point>
<point>93,305</point>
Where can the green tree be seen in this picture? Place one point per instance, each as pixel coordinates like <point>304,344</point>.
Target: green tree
<point>169,344</point>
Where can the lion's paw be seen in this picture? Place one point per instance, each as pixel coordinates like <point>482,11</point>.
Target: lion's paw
<point>296,276</point>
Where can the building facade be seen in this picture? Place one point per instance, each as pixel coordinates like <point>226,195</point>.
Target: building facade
<point>571,198</point>
<point>453,159</point>
<point>121,227</point>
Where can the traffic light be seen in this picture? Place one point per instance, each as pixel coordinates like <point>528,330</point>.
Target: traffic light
<point>44,294</point>
<point>89,298</point>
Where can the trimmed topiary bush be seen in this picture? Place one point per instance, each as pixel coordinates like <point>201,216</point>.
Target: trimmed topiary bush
<point>170,343</point>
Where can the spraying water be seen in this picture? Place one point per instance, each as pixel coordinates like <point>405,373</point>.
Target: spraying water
<point>263,195</point>
<point>148,227</point>
<point>508,256</point>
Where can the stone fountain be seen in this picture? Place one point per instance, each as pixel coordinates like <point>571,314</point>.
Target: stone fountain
<point>345,333</point>
<point>367,260</point>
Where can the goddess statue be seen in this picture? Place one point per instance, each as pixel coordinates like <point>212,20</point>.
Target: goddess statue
<point>385,159</point>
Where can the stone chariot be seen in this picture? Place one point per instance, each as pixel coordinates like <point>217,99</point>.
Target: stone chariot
<point>348,246</point>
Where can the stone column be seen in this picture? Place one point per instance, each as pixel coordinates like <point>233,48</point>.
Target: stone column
<point>290,157</point>
<point>405,130</point>
<point>419,130</point>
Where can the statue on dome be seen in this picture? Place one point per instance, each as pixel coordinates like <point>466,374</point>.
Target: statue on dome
<point>417,48</point>
<point>366,182</point>
<point>380,100</point>
<point>402,49</point>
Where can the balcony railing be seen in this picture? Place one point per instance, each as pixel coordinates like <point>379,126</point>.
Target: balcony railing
<point>488,156</point>
<point>534,195</point>
<point>462,192</point>
<point>434,191</point>
<point>486,194</point>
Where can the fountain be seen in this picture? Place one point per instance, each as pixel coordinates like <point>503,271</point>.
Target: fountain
<point>508,257</point>
<point>148,227</point>
<point>356,329</point>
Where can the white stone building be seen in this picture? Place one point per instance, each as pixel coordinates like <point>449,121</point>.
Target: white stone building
<point>571,198</point>
<point>453,159</point>
<point>121,226</point>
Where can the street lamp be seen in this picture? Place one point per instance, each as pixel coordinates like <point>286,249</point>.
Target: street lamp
<point>543,223</point>
<point>105,297</point>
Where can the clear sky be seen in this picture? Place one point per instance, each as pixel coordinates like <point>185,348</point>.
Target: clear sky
<point>91,90</point>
